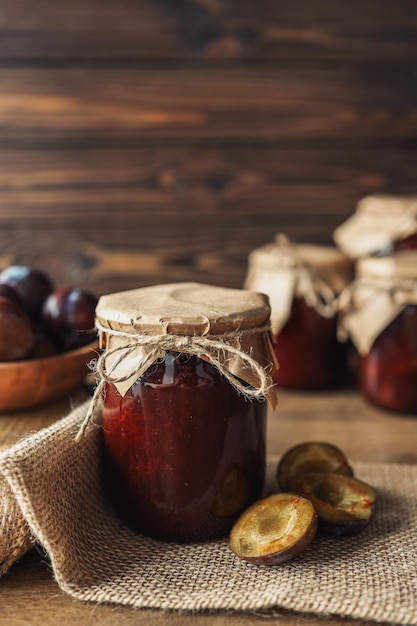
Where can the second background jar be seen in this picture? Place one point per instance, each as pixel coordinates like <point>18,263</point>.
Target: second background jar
<point>303,282</point>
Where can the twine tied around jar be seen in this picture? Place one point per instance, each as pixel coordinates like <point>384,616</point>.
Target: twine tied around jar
<point>316,293</point>
<point>283,271</point>
<point>361,290</point>
<point>115,365</point>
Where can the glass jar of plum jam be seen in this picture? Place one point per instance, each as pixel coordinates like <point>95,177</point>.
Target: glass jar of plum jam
<point>186,371</point>
<point>382,224</point>
<point>379,312</point>
<point>302,282</point>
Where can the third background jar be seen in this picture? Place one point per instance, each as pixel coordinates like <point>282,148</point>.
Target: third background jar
<point>379,312</point>
<point>303,282</point>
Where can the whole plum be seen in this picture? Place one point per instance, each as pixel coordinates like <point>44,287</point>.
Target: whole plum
<point>68,315</point>
<point>17,337</point>
<point>44,344</point>
<point>33,286</point>
<point>11,294</point>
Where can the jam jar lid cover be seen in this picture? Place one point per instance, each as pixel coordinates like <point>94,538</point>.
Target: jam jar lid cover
<point>379,220</point>
<point>183,309</point>
<point>383,287</point>
<point>329,263</point>
<point>230,328</point>
<point>285,270</point>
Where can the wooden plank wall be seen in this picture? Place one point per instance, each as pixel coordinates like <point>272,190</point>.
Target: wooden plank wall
<point>145,141</point>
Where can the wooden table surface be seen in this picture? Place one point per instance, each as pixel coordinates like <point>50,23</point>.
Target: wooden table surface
<point>29,594</point>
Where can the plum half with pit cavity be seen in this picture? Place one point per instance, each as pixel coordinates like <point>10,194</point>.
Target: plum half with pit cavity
<point>344,504</point>
<point>274,529</point>
<point>315,456</point>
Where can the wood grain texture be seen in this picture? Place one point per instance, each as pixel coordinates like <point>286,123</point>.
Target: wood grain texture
<point>121,218</point>
<point>108,218</point>
<point>383,31</point>
<point>106,106</point>
<point>145,142</point>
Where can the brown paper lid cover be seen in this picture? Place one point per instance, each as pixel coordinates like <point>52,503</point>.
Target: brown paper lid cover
<point>329,263</point>
<point>379,221</point>
<point>399,266</point>
<point>184,309</point>
<point>387,203</point>
<point>284,271</point>
<point>383,287</point>
<point>230,328</point>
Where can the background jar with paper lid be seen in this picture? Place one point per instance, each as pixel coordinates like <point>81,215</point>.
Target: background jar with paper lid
<point>378,311</point>
<point>302,282</point>
<point>185,373</point>
<point>381,224</point>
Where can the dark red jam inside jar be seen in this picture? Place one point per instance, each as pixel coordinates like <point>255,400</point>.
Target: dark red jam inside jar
<point>184,452</point>
<point>408,243</point>
<point>388,373</point>
<point>302,282</point>
<point>307,350</point>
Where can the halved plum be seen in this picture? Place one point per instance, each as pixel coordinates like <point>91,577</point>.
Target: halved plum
<point>274,529</point>
<point>344,504</point>
<point>314,456</point>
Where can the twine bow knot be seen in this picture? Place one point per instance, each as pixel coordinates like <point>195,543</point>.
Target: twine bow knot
<point>132,354</point>
<point>363,290</point>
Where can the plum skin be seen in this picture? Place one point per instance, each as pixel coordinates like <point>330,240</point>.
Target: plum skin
<point>32,286</point>
<point>337,517</point>
<point>311,456</point>
<point>17,337</point>
<point>68,315</point>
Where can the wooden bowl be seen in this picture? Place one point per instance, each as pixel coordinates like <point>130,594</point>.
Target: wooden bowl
<point>32,383</point>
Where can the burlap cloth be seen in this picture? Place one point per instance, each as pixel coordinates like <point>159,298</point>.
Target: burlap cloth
<point>50,493</point>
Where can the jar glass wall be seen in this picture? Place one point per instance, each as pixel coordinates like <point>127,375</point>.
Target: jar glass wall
<point>308,351</point>
<point>184,451</point>
<point>388,373</point>
<point>408,243</point>
<point>302,282</point>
